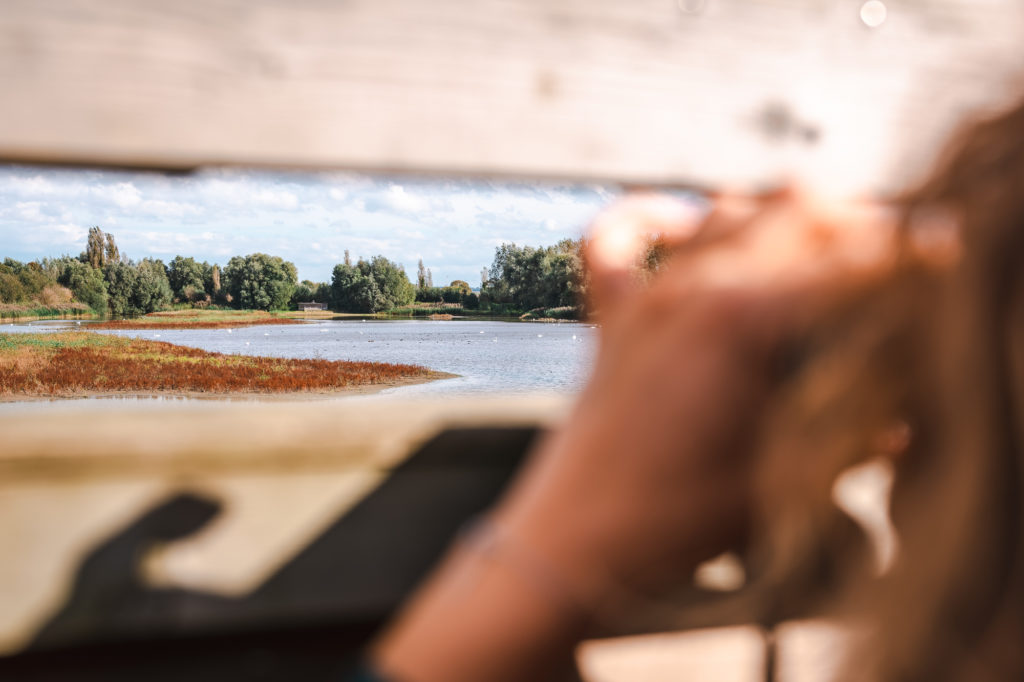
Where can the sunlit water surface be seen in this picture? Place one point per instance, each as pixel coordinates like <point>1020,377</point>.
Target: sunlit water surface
<point>490,357</point>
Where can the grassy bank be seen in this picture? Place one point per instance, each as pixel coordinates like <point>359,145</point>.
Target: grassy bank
<point>14,312</point>
<point>77,363</point>
<point>198,319</point>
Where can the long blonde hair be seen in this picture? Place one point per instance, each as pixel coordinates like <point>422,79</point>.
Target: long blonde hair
<point>940,350</point>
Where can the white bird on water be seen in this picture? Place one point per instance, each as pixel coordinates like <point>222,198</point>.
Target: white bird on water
<point>540,336</point>
<point>229,331</point>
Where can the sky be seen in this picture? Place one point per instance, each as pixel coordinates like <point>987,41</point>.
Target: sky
<point>306,218</point>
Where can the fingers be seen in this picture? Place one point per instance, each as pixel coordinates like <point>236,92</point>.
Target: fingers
<point>619,234</point>
<point>767,245</point>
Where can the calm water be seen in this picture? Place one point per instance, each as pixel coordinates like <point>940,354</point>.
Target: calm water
<point>490,357</point>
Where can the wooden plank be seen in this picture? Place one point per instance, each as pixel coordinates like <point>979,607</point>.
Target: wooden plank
<point>705,92</point>
<point>282,473</point>
<point>76,443</point>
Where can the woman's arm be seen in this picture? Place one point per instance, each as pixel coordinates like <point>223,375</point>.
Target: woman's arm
<point>648,477</point>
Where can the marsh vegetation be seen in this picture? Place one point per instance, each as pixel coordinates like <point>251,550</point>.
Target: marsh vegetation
<point>73,364</point>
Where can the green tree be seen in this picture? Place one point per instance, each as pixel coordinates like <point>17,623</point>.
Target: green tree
<point>86,283</point>
<point>122,280</point>
<point>136,288</point>
<point>302,293</point>
<point>260,281</point>
<point>451,294</point>
<point>211,280</point>
<point>23,282</point>
<point>429,295</point>
<point>318,292</point>
<point>95,248</point>
<point>110,250</point>
<point>100,249</point>
<point>370,286</point>
<point>11,290</point>
<point>186,278</point>
<point>392,281</point>
<point>354,292</point>
<point>153,292</point>
<point>544,277</point>
<point>461,285</point>
<point>421,275</point>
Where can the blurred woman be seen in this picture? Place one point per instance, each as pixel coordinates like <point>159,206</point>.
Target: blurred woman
<point>781,343</point>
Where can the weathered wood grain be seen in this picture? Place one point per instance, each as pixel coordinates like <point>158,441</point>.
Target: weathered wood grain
<point>706,92</point>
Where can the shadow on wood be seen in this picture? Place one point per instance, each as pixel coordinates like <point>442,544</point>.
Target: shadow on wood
<point>308,618</point>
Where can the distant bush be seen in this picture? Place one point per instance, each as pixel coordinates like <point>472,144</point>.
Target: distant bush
<point>11,290</point>
<point>55,295</point>
<point>451,295</point>
<point>86,283</point>
<point>429,295</point>
<point>22,282</point>
<point>461,285</point>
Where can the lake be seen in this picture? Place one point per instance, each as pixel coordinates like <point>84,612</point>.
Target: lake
<point>490,357</point>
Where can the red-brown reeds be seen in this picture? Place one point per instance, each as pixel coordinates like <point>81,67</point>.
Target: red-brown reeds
<point>70,364</point>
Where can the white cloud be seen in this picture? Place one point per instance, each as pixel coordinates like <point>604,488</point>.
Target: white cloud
<point>275,198</point>
<point>306,218</point>
<point>29,210</point>
<point>71,232</point>
<point>402,201</point>
<point>30,186</point>
<point>123,194</point>
<point>243,191</point>
<point>169,209</point>
<point>57,238</point>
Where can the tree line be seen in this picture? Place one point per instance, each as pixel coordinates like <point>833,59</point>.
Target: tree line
<point>546,278</point>
<point>520,279</point>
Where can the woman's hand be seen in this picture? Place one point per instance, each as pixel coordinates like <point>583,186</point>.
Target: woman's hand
<point>651,473</point>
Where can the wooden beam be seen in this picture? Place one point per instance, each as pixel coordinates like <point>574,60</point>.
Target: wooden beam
<point>675,92</point>
<point>71,476</point>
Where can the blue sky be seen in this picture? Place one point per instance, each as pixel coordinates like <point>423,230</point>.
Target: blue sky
<point>309,219</point>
